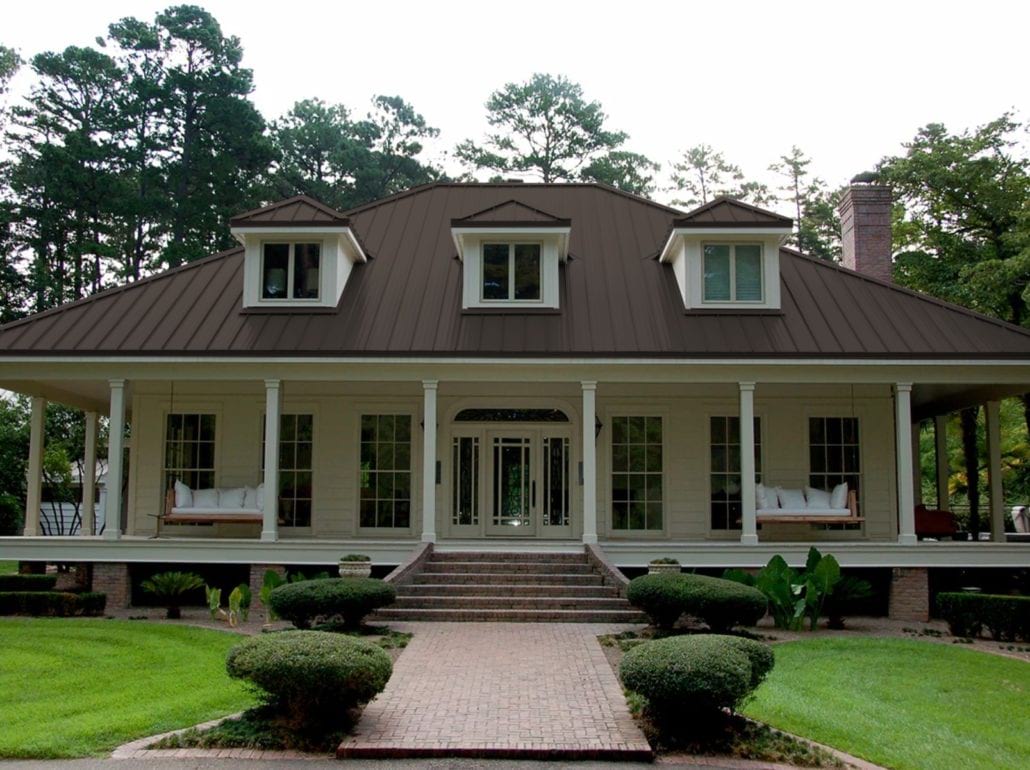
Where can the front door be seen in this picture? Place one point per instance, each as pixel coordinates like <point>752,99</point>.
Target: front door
<point>512,501</point>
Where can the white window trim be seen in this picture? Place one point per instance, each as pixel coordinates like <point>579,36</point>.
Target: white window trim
<point>728,411</point>
<point>510,299</point>
<point>611,414</point>
<point>290,272</point>
<point>733,273</point>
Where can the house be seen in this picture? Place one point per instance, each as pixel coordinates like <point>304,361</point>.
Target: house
<point>499,368</point>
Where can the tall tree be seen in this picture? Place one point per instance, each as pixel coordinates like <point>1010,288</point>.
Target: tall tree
<point>12,282</point>
<point>703,173</point>
<point>629,171</point>
<point>817,228</point>
<point>546,128</point>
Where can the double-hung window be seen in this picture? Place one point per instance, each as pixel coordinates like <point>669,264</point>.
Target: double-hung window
<point>190,450</point>
<point>733,272</point>
<point>511,272</point>
<point>637,469</point>
<point>290,271</point>
<point>724,468</point>
<point>385,471</point>
<point>296,450</point>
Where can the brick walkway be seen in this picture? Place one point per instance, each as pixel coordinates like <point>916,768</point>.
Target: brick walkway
<point>540,690</point>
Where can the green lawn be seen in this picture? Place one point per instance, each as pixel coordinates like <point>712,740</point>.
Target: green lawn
<point>82,687</point>
<point>902,704</point>
<point>8,567</point>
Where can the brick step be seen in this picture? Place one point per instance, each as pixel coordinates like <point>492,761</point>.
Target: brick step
<point>510,603</point>
<point>506,589</point>
<point>508,556</point>
<point>515,616</point>
<point>503,578</point>
<point>508,567</point>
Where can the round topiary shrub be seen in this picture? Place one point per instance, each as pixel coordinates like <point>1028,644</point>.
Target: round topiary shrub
<point>721,604</point>
<point>310,678</point>
<point>327,599</point>
<point>696,675</point>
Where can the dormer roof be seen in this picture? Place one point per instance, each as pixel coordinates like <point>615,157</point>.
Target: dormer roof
<point>511,213</point>
<point>730,212</point>
<point>298,211</point>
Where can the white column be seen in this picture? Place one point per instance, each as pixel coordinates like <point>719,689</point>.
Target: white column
<point>994,472</point>
<point>906,478</point>
<point>917,464</point>
<point>273,410</point>
<point>89,477</point>
<point>115,451</point>
<point>429,388</point>
<point>589,462</point>
<point>748,516</point>
<point>34,486</point>
<point>940,440</point>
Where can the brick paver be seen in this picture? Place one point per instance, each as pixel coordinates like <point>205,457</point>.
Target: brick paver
<point>542,690</point>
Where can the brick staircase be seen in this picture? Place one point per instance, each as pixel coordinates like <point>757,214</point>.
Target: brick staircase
<point>525,587</point>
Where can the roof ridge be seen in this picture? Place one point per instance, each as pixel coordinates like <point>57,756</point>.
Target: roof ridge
<point>111,290</point>
<point>514,185</point>
<point>907,291</point>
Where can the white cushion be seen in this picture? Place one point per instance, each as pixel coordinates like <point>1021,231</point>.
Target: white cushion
<point>260,495</point>
<point>817,498</point>
<point>205,498</point>
<point>839,496</point>
<point>791,499</point>
<point>231,498</point>
<point>250,498</point>
<point>183,495</point>
<point>765,498</point>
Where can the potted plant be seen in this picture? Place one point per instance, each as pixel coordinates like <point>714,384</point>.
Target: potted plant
<point>355,565</point>
<point>661,566</point>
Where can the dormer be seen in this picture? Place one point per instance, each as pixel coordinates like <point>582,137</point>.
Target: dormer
<point>298,254</point>
<point>510,255</point>
<point>726,256</point>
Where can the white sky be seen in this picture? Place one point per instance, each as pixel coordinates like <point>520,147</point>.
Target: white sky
<point>847,82</point>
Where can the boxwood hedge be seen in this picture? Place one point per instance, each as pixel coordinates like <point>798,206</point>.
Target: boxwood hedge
<point>58,604</point>
<point>1006,617</point>
<point>695,674</point>
<point>310,678</point>
<point>27,582</point>
<point>348,600</point>
<point>721,604</point>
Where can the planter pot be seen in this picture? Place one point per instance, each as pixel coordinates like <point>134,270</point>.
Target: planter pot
<point>355,569</point>
<point>661,569</point>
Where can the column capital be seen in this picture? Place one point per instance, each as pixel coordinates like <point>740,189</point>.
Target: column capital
<point>746,386</point>
<point>430,384</point>
<point>903,387</point>
<point>588,384</point>
<point>273,384</point>
<point>116,384</point>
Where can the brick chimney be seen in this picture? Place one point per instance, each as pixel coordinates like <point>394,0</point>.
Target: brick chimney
<point>865,224</point>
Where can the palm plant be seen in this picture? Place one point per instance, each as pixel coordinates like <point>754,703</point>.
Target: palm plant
<point>169,588</point>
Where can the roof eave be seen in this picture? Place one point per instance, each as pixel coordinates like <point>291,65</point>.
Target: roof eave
<point>696,231</point>
<point>518,228</point>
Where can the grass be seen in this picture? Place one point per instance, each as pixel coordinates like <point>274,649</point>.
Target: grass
<point>8,567</point>
<point>904,704</point>
<point>82,687</point>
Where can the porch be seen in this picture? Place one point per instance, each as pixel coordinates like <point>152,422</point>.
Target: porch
<point>648,458</point>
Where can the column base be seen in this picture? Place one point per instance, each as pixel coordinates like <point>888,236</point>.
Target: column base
<point>907,539</point>
<point>269,537</point>
<point>590,539</point>
<point>428,537</point>
<point>112,534</point>
<point>749,539</point>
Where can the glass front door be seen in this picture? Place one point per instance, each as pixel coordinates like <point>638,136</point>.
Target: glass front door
<point>513,484</point>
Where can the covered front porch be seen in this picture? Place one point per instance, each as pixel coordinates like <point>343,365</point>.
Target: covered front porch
<point>648,458</point>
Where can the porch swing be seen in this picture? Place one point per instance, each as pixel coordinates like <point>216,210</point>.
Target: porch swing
<point>799,509</point>
<point>183,505</point>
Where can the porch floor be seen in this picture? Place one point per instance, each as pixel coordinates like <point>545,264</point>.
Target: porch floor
<point>530,690</point>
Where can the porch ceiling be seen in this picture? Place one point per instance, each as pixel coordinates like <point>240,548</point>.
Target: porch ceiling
<point>930,400</point>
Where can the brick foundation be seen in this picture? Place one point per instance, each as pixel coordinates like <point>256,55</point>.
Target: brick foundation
<point>910,594</point>
<point>112,578</point>
<point>257,577</point>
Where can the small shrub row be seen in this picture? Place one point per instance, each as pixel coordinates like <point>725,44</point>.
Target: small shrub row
<point>1007,618</point>
<point>58,604</point>
<point>721,604</point>
<point>695,675</point>
<point>310,678</point>
<point>27,582</point>
<point>347,600</point>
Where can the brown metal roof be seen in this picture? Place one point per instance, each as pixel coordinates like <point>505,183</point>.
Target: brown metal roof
<point>511,213</point>
<point>298,211</point>
<point>616,299</point>
<point>729,212</point>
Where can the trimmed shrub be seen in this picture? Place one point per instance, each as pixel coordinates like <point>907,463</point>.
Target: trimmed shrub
<point>310,678</point>
<point>27,582</point>
<point>721,604</point>
<point>327,599</point>
<point>57,604</point>
<point>1006,617</point>
<point>697,674</point>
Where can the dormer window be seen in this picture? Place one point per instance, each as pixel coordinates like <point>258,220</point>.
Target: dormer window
<point>511,257</point>
<point>511,272</point>
<point>290,271</point>
<point>732,272</point>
